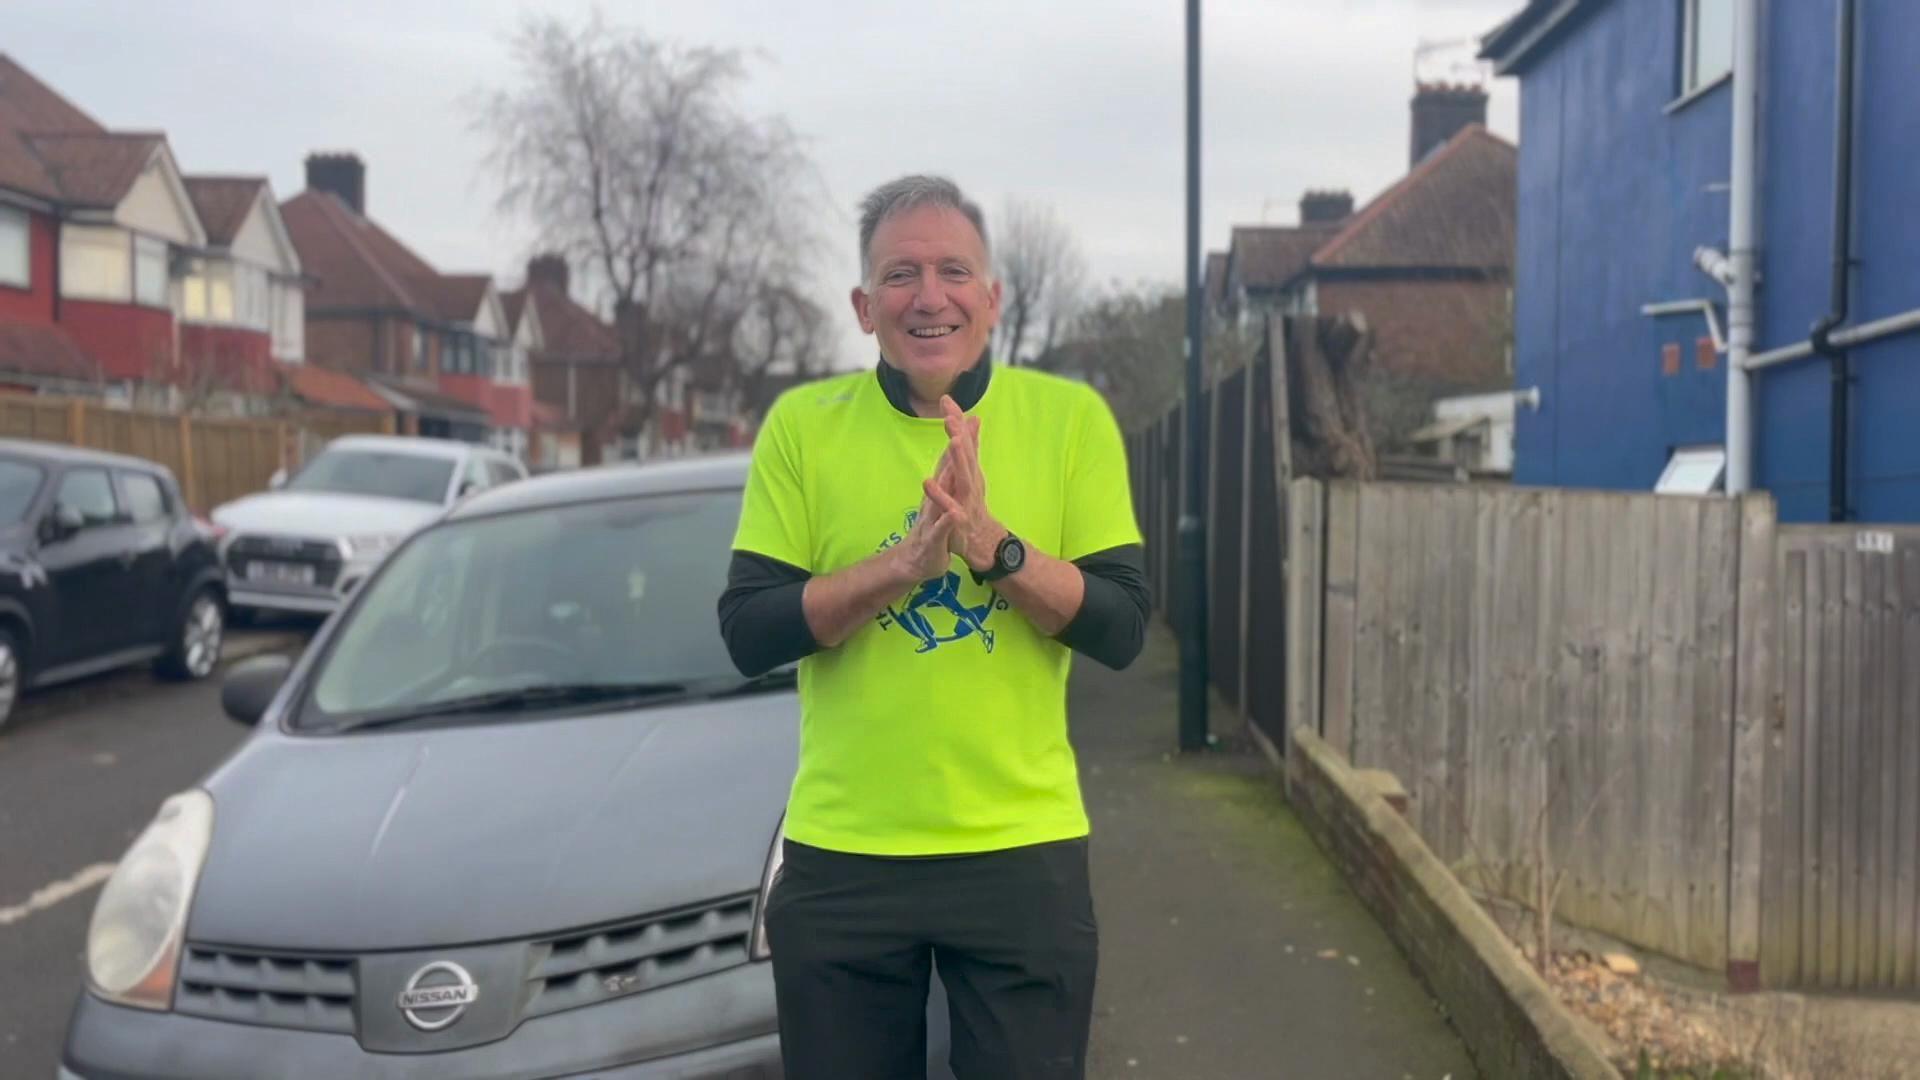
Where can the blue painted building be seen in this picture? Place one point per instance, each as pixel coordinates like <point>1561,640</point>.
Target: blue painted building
<point>1625,147</point>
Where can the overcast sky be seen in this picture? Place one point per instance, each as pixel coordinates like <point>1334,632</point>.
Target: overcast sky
<point>1074,102</point>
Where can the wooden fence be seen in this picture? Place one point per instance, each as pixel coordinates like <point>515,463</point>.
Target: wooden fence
<point>215,459</point>
<point>1721,715</point>
<point>1842,813</point>
<point>1246,439</point>
<point>1507,653</point>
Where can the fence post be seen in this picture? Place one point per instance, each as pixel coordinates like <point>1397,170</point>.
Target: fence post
<point>1305,559</point>
<point>77,422</point>
<point>1753,721</point>
<point>189,471</point>
<point>1342,591</point>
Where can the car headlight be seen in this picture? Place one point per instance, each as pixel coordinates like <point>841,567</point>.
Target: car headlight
<point>369,545</point>
<point>134,941</point>
<point>776,858</point>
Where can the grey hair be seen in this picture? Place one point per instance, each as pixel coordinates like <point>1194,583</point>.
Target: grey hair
<point>896,197</point>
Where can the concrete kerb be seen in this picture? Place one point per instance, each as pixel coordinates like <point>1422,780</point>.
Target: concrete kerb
<point>1506,1014</point>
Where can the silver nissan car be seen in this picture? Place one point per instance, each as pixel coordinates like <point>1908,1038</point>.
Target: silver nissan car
<point>512,814</point>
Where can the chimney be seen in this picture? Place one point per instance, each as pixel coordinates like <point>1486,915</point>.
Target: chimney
<point>1440,111</point>
<point>1318,207</point>
<point>344,175</point>
<point>549,268</point>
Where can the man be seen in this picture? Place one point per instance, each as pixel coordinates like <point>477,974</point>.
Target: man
<point>934,537</point>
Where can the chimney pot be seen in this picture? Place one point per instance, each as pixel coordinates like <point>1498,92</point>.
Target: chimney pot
<point>1318,207</point>
<point>1441,111</point>
<point>343,174</point>
<point>549,268</point>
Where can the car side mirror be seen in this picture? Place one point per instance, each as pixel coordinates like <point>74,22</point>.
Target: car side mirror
<point>250,687</point>
<point>467,487</point>
<point>62,523</point>
<point>278,480</point>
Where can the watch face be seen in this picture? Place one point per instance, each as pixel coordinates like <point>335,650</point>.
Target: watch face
<point>1012,554</point>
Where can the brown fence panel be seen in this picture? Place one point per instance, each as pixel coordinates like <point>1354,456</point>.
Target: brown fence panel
<point>1507,650</point>
<point>1841,847</point>
<point>46,419</point>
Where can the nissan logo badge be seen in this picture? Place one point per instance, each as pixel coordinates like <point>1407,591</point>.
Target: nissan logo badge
<point>437,995</point>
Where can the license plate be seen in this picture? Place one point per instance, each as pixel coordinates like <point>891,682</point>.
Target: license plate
<point>277,573</point>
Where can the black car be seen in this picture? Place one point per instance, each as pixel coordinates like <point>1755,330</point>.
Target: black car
<point>101,565</point>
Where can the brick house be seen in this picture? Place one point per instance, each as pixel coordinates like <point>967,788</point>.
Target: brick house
<point>437,345</point>
<point>576,369</point>
<point>241,306</point>
<point>1428,262</point>
<point>92,226</point>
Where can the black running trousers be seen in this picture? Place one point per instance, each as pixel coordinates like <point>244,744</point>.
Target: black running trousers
<point>856,937</point>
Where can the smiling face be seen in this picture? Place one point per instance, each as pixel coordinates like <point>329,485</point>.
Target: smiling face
<point>929,297</point>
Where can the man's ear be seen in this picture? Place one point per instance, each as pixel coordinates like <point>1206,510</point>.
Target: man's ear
<point>994,301</point>
<point>860,302</point>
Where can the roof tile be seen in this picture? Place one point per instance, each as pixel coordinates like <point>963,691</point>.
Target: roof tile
<point>222,203</point>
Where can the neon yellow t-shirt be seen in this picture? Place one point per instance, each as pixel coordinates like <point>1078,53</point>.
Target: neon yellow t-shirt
<point>941,726</point>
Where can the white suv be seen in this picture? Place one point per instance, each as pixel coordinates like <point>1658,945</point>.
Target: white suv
<point>308,543</point>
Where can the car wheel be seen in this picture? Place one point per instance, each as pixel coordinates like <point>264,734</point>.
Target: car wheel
<point>10,675</point>
<point>195,649</point>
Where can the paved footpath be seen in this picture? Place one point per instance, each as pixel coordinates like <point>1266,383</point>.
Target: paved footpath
<point>1215,908</point>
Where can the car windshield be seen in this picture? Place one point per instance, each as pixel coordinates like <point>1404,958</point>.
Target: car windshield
<point>19,483</point>
<point>389,473</point>
<point>542,609</point>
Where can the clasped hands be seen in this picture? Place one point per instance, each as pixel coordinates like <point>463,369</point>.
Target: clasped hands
<point>954,519</point>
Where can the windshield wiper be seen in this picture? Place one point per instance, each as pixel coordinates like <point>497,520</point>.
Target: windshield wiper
<point>519,699</point>
<point>781,678</point>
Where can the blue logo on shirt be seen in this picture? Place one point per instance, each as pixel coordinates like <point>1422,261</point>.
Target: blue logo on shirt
<point>939,599</point>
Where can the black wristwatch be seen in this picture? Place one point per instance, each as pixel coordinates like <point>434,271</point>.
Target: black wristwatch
<point>1008,557</point>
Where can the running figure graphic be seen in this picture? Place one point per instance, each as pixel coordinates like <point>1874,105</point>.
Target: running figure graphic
<point>943,592</point>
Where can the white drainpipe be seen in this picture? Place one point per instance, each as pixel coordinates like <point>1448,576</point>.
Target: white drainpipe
<point>1742,227</point>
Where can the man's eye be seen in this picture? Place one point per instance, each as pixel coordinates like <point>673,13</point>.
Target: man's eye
<point>958,272</point>
<point>898,276</point>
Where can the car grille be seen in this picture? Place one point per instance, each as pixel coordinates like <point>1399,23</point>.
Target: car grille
<point>308,993</point>
<point>323,555</point>
<point>316,992</point>
<point>631,958</point>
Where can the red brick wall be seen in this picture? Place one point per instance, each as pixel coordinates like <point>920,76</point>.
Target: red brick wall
<point>129,341</point>
<point>596,389</point>
<point>550,385</point>
<point>34,303</point>
<point>380,344</point>
<point>513,406</point>
<point>236,358</point>
<point>1433,329</point>
<point>341,344</point>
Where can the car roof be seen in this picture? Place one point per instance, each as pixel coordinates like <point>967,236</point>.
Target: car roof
<point>64,454</point>
<point>713,472</point>
<point>422,445</point>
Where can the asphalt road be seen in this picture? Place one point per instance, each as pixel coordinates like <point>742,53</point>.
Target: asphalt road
<point>83,767</point>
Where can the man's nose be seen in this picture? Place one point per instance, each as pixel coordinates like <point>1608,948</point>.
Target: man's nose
<point>931,295</point>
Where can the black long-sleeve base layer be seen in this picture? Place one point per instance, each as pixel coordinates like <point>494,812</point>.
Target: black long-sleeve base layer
<point>765,625</point>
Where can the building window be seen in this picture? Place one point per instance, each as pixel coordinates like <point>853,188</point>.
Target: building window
<point>150,278</point>
<point>207,292</point>
<point>95,263</point>
<point>1707,43</point>
<point>287,328</point>
<point>16,248</point>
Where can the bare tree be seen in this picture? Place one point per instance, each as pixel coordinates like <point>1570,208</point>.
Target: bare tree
<point>1043,273</point>
<point>784,336</point>
<point>631,154</point>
